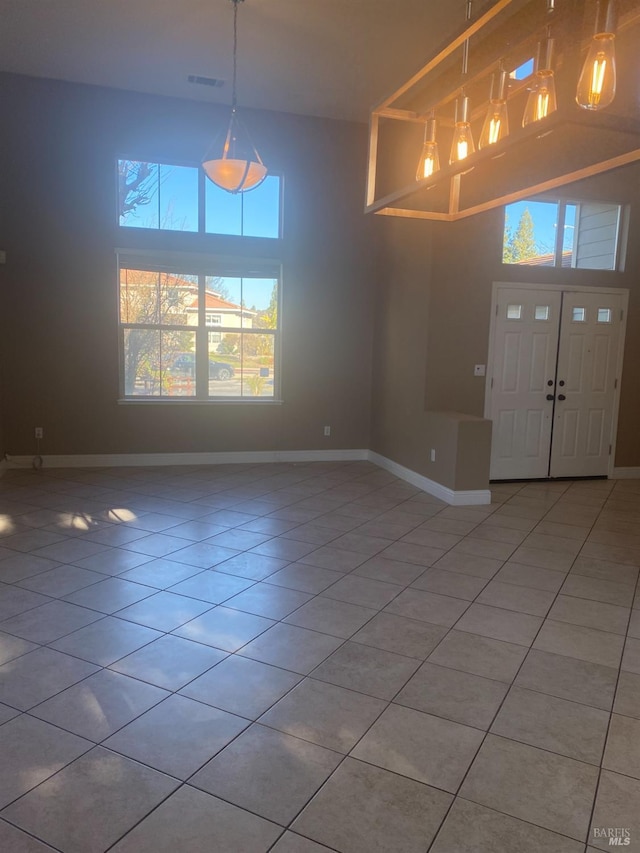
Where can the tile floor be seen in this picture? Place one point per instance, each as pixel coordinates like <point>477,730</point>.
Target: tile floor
<point>300,658</point>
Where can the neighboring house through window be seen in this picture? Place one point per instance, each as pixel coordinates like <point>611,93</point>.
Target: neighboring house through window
<point>197,326</point>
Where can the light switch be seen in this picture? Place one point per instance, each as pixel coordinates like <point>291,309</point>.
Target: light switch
<point>479,370</point>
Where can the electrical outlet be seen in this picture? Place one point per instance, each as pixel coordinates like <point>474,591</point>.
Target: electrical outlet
<point>39,432</point>
<point>327,430</point>
<point>432,455</point>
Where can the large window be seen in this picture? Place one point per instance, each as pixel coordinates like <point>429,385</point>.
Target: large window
<point>197,326</point>
<point>167,348</point>
<point>578,234</point>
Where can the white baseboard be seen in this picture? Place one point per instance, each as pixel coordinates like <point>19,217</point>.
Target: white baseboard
<point>137,460</point>
<point>455,498</point>
<point>625,474</point>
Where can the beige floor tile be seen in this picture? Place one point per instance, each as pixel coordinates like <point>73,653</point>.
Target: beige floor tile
<point>292,648</point>
<point>576,641</point>
<point>304,578</point>
<point>631,656</point>
<point>569,678</point>
<point>290,842</point>
<point>16,841</point>
<point>470,828</point>
<point>535,602</point>
<point>453,584</point>
<point>268,772</point>
<point>532,577</point>
<point>177,736</point>
<point>604,569</point>
<point>13,647</point>
<point>364,809</point>
<point>91,803</point>
<point>30,752</point>
<point>49,622</point>
<point>337,618</point>
<point>264,599</point>
<point>627,700</point>
<point>500,624</point>
<point>428,606</point>
<point>401,635</point>
<point>164,611</point>
<point>324,714</point>
<point>597,589</point>
<point>554,560</point>
<point>617,806</point>
<point>99,705</point>
<point>30,679</point>
<point>479,655</point>
<point>366,669</point>
<point>454,695</point>
<point>334,559</point>
<point>363,591</point>
<point>169,662</point>
<point>405,552</point>
<point>252,566</point>
<point>60,581</point>
<point>106,641</point>
<point>468,564</point>
<point>224,628</point>
<point>590,614</point>
<point>392,571</point>
<point>567,728</point>
<point>241,686</point>
<point>428,749</point>
<point>622,753</point>
<point>214,587</point>
<point>548,790</point>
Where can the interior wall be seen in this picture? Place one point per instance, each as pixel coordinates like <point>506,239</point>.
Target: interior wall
<point>434,306</point>
<point>60,149</point>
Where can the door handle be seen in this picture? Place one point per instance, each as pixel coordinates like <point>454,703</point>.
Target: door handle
<point>561,397</point>
<point>550,397</point>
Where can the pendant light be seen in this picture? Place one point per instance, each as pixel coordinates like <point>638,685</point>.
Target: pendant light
<point>429,161</point>
<point>237,166</point>
<point>496,123</point>
<point>542,95</point>
<point>462,144</point>
<point>597,84</point>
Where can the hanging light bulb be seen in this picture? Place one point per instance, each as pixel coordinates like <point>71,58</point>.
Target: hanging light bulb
<point>237,166</point>
<point>542,97</point>
<point>597,83</point>
<point>496,124</point>
<point>429,161</point>
<point>462,144</point>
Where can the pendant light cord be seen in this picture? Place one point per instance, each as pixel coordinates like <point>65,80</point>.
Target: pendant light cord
<point>235,53</point>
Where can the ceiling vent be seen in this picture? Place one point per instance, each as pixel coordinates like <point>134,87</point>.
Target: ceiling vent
<point>215,82</point>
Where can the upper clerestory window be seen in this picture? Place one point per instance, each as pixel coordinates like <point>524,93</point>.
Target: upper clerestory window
<point>167,197</point>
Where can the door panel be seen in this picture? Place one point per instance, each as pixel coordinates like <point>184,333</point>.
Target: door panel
<point>586,373</point>
<point>524,362</point>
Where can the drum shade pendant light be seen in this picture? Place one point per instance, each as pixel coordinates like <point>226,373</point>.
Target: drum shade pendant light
<point>237,167</point>
<point>597,84</point>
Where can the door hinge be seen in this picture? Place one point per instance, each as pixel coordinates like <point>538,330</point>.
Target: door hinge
<point>491,382</point>
<point>615,383</point>
<point>609,450</point>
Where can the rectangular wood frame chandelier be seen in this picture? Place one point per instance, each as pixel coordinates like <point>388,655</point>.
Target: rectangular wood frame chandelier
<point>531,82</point>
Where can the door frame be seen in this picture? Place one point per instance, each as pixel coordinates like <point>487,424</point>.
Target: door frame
<point>562,288</point>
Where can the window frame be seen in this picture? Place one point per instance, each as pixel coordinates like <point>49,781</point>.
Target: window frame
<point>200,231</point>
<point>202,266</point>
<point>561,207</point>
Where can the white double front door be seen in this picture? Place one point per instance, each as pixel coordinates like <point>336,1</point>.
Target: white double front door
<point>553,379</point>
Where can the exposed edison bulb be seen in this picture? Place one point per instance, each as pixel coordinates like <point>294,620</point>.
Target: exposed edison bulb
<point>496,123</point>
<point>542,98</point>
<point>462,145</point>
<point>597,84</point>
<point>429,161</point>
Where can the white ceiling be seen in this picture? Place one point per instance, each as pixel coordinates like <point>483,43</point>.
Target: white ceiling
<point>332,58</point>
